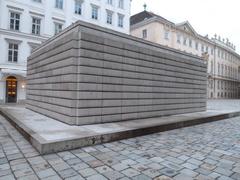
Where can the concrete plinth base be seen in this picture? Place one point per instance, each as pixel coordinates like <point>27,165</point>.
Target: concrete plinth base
<point>48,135</point>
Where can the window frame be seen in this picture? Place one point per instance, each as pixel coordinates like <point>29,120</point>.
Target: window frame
<point>59,4</point>
<point>144,33</point>
<point>121,20</point>
<point>121,4</point>
<point>94,12</point>
<point>14,51</point>
<point>14,24</point>
<point>37,26</point>
<point>78,7</point>
<point>56,30</point>
<point>109,17</point>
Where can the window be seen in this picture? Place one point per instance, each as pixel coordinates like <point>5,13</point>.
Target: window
<point>121,4</point>
<point>78,7</point>
<point>58,28</point>
<point>39,1</point>
<point>59,4</point>
<point>94,12</point>
<point>196,46</point>
<point>202,48</point>
<point>212,51</point>
<point>185,41</point>
<point>109,17</point>
<point>166,34</point>
<point>190,43</point>
<point>110,2</point>
<point>36,25</point>
<point>144,33</point>
<point>14,21</point>
<point>12,52</point>
<point>120,20</point>
<point>207,49</point>
<point>211,71</point>
<point>219,53</point>
<point>179,38</point>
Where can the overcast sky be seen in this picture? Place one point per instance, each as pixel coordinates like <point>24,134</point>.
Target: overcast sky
<point>206,16</point>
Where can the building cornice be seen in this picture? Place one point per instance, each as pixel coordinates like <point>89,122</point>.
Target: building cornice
<point>23,35</point>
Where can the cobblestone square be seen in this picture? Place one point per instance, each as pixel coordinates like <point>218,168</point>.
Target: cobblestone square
<point>206,151</point>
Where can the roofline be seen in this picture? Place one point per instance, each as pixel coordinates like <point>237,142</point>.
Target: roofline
<point>199,36</point>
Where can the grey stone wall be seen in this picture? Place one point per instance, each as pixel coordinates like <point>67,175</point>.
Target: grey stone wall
<point>88,74</point>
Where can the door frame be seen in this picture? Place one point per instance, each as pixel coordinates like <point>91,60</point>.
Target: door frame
<point>7,89</point>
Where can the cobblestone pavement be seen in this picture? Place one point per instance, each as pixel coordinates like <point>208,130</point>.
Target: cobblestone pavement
<point>207,151</point>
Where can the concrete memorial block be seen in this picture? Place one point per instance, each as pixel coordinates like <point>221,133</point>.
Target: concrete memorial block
<point>88,74</point>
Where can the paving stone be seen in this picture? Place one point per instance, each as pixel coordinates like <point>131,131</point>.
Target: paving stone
<point>8,177</point>
<point>184,157</point>
<point>67,173</point>
<point>214,175</point>
<point>195,161</point>
<point>210,161</point>
<point>190,166</point>
<point>103,169</point>
<point>113,175</point>
<point>120,166</point>
<point>151,173</point>
<point>77,177</point>
<point>168,172</point>
<point>3,160</point>
<point>189,172</point>
<point>222,171</point>
<point>56,177</point>
<point>224,178</point>
<point>163,177</point>
<point>23,172</point>
<point>236,169</point>
<point>130,172</point>
<point>182,177</point>
<point>203,177</point>
<point>208,167</point>
<point>171,165</point>
<point>88,172</point>
<point>174,160</point>
<point>95,163</point>
<point>155,166</point>
<point>46,173</point>
<point>236,176</point>
<point>30,177</point>
<point>141,177</point>
<point>79,166</point>
<point>157,159</point>
<point>97,177</point>
<point>202,171</point>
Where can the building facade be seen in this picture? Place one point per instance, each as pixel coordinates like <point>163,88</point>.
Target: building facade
<point>223,61</point>
<point>25,24</point>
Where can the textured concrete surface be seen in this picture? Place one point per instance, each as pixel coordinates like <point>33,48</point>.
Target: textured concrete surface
<point>90,75</point>
<point>203,152</point>
<point>48,135</point>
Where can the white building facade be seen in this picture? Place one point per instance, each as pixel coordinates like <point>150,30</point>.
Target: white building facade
<point>26,24</point>
<point>223,61</point>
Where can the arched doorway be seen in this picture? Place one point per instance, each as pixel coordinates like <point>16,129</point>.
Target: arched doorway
<point>11,89</point>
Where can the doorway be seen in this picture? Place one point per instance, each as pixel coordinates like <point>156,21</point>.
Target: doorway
<point>11,89</point>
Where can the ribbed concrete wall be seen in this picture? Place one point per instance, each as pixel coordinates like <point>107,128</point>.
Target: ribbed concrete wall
<point>88,75</point>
